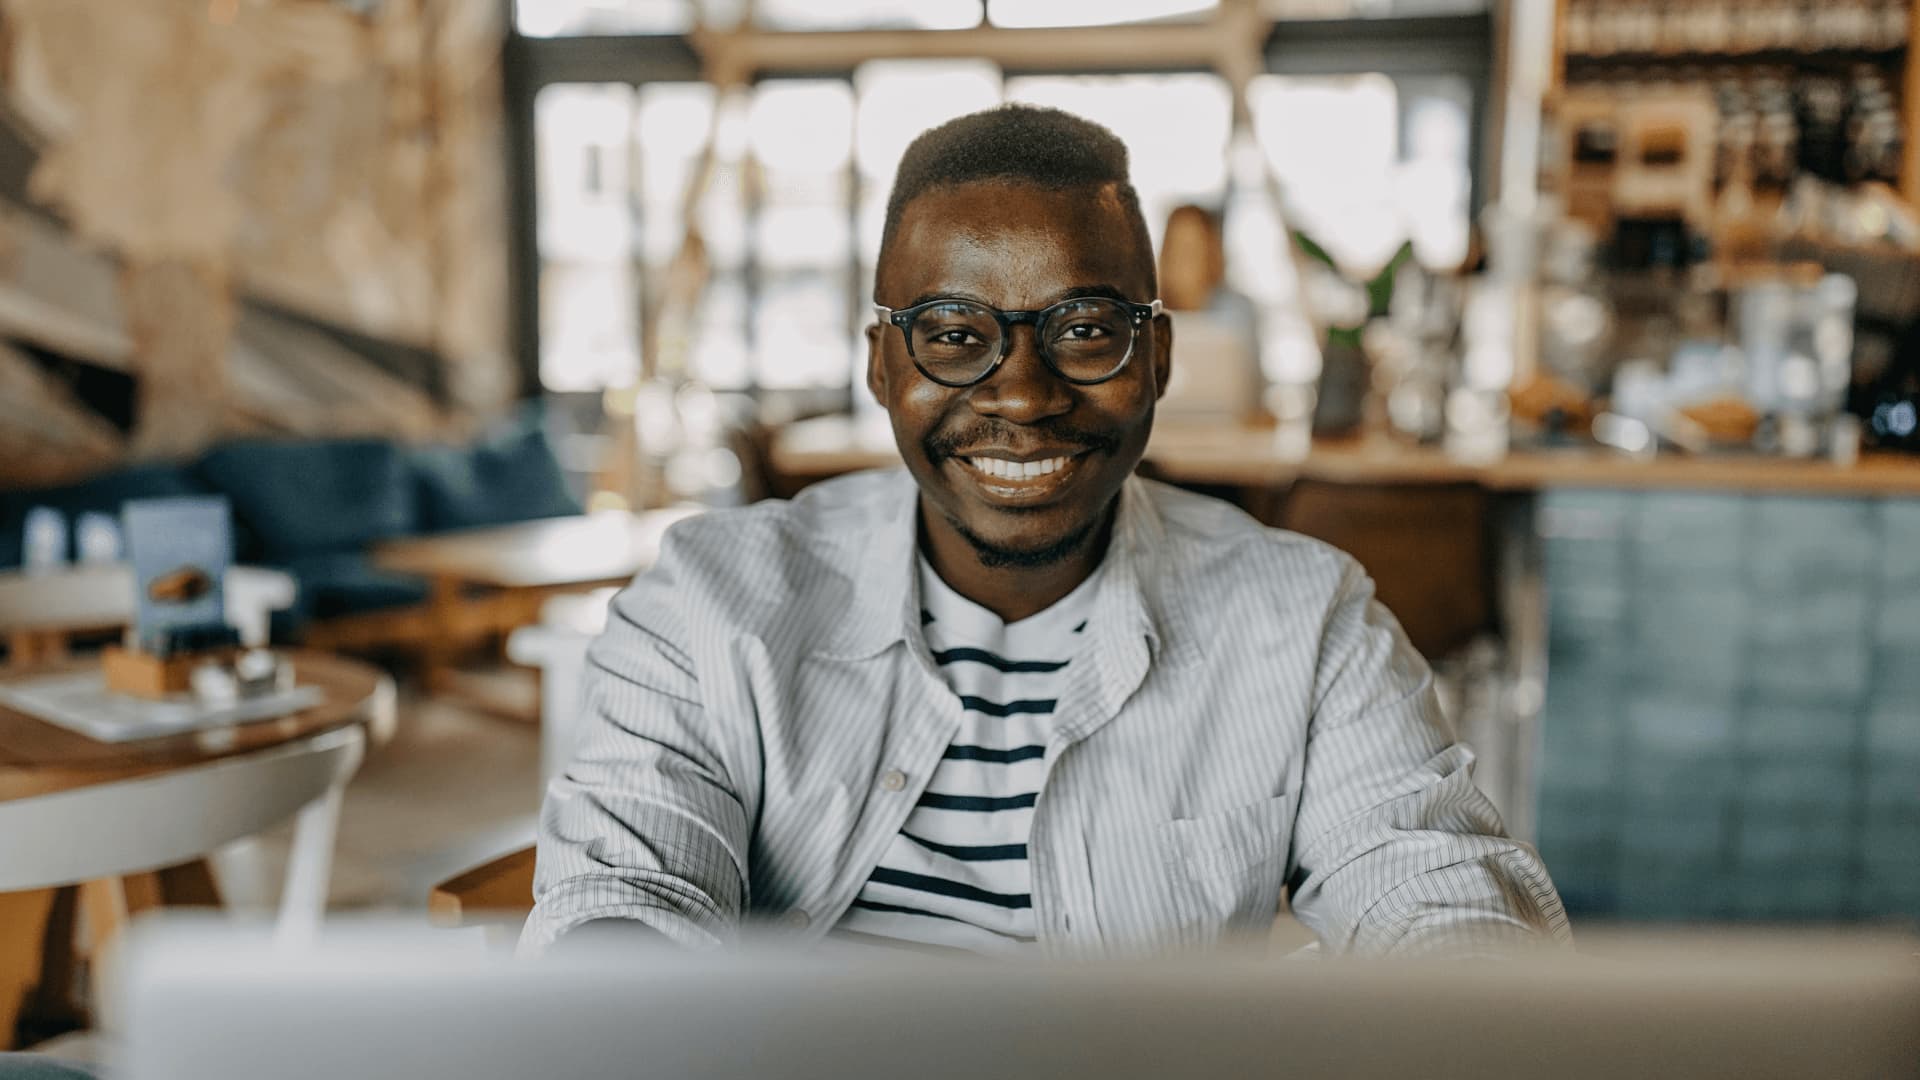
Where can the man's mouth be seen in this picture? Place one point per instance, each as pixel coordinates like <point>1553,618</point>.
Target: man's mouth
<point>1004,469</point>
<point>1021,479</point>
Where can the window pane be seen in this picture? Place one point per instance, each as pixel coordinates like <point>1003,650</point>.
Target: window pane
<point>898,99</point>
<point>580,162</point>
<point>800,331</point>
<point>674,121</point>
<point>589,306</point>
<point>1333,145</point>
<point>1365,164</point>
<point>719,345</point>
<point>554,18</point>
<point>810,237</point>
<point>1433,183</point>
<point>867,14</point>
<point>801,138</point>
<point>1176,128</point>
<point>589,329</point>
<point>1082,13</point>
<point>801,126</point>
<point>721,214</point>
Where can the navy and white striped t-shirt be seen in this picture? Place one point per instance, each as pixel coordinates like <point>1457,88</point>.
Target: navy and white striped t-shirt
<point>957,875</point>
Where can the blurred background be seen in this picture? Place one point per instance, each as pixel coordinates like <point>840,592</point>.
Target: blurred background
<point>1588,326</point>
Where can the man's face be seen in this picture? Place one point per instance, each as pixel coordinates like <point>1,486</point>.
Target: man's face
<point>1017,247</point>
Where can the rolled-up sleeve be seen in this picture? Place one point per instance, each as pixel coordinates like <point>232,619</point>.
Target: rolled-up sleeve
<point>1395,850</point>
<point>650,820</point>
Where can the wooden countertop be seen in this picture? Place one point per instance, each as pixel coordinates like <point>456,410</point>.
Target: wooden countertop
<point>1250,457</point>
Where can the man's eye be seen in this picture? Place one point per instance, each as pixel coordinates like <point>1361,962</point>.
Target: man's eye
<point>953,337</point>
<point>1085,332</point>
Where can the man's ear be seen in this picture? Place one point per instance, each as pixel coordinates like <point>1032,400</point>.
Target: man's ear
<point>876,363</point>
<point>1162,354</point>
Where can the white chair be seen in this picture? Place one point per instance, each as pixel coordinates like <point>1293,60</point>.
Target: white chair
<point>104,831</point>
<point>557,645</point>
<point>253,594</point>
<point>101,596</point>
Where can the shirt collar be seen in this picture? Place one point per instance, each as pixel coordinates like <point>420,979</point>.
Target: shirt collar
<point>1138,597</point>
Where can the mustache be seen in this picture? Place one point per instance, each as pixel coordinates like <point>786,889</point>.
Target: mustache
<point>942,445</point>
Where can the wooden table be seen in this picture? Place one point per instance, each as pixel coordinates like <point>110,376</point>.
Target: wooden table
<point>525,561</point>
<point>38,758</point>
<point>1250,457</point>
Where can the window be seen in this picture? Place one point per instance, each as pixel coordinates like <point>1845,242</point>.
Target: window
<point>1176,128</point>
<point>556,18</point>
<point>1362,161</point>
<point>867,14</point>
<point>1020,13</point>
<point>589,305</point>
<point>801,144</point>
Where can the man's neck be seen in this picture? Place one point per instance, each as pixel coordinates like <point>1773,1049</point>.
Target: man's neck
<point>1010,592</point>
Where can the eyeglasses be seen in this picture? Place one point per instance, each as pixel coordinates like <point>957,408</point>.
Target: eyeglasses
<point>959,343</point>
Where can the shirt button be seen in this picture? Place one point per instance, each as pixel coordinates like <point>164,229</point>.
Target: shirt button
<point>894,780</point>
<point>799,920</point>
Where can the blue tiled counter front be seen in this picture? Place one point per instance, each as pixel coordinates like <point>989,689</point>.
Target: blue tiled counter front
<point>1732,718</point>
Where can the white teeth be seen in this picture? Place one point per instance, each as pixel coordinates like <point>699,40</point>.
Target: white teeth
<point>1018,470</point>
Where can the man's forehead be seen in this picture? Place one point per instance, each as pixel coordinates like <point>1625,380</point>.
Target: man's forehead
<point>1010,202</point>
<point>1014,230</point>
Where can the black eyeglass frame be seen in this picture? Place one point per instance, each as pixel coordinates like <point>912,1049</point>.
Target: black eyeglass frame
<point>1138,315</point>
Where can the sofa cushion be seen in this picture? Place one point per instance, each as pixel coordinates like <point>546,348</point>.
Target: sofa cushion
<point>13,524</point>
<point>104,493</point>
<point>508,475</point>
<point>307,497</point>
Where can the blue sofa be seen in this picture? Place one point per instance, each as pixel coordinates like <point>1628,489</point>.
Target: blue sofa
<point>315,507</point>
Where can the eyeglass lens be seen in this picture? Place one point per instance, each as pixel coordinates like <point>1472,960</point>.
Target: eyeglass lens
<point>1085,340</point>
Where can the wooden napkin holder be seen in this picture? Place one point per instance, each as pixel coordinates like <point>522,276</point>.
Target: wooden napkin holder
<point>142,674</point>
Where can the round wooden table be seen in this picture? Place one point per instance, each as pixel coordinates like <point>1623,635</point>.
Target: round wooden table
<point>38,758</point>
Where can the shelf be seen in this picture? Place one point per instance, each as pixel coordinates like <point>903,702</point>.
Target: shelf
<point>1786,57</point>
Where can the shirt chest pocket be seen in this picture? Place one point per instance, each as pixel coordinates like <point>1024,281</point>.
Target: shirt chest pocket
<point>1227,869</point>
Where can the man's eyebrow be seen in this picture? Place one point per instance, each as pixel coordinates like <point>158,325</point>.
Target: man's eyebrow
<point>1079,292</point>
<point>928,298</point>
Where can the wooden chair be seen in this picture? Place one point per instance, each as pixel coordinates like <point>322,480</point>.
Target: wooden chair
<point>497,891</point>
<point>1424,545</point>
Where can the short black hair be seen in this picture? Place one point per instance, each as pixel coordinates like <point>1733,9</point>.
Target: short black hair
<point>1021,144</point>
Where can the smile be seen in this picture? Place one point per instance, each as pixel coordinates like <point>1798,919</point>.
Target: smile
<point>1001,469</point>
<point>1020,483</point>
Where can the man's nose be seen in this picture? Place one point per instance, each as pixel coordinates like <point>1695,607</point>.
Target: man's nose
<point>1023,390</point>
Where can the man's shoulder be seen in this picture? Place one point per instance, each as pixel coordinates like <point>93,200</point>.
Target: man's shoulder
<point>743,565</point>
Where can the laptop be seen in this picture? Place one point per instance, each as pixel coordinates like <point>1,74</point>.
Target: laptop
<point>199,1002</point>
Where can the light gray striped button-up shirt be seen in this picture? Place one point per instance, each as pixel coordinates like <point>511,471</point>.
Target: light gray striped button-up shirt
<point>763,714</point>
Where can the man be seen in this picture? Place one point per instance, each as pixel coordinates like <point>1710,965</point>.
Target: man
<point>1014,696</point>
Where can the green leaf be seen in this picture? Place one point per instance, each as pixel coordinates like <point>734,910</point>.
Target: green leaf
<point>1313,250</point>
